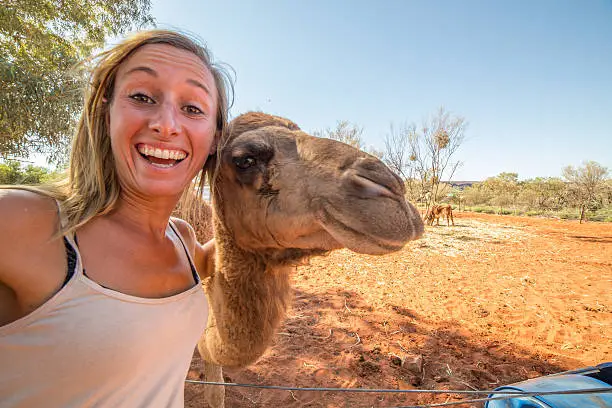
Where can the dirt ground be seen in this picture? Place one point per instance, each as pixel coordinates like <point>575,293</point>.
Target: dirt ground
<point>491,301</point>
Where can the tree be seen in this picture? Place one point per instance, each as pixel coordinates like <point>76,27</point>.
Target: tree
<point>424,157</point>
<point>543,193</point>
<point>41,42</point>
<point>504,189</point>
<point>12,172</point>
<point>585,184</point>
<point>345,132</point>
<point>349,133</point>
<point>400,155</point>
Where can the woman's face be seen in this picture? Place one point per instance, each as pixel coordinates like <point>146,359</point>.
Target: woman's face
<point>163,118</point>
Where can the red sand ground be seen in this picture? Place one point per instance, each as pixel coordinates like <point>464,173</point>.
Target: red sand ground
<point>491,301</point>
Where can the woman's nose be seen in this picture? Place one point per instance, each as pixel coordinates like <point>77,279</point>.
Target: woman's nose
<point>166,121</point>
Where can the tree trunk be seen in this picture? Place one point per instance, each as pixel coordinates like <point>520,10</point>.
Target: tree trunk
<point>581,213</point>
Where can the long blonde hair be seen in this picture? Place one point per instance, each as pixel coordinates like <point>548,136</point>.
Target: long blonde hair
<point>91,186</point>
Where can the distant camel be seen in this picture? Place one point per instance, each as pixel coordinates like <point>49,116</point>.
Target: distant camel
<point>437,211</point>
<point>280,196</point>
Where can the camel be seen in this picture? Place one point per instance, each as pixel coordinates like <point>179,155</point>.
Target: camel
<point>437,211</point>
<point>280,196</point>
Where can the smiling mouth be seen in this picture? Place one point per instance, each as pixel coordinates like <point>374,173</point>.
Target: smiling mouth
<point>161,157</point>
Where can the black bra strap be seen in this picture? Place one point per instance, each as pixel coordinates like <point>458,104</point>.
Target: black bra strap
<point>196,277</point>
<point>71,257</point>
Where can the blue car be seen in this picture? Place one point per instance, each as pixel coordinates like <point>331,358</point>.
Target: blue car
<point>585,378</point>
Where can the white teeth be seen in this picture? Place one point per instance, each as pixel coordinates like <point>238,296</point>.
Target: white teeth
<point>162,165</point>
<point>161,153</point>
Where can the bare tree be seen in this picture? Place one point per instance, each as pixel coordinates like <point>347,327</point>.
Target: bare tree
<point>351,134</point>
<point>423,158</point>
<point>401,157</point>
<point>345,132</point>
<point>585,184</point>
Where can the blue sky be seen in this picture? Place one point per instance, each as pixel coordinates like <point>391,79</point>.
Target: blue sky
<point>532,78</point>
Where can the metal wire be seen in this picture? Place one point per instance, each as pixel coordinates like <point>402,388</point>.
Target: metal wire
<point>509,397</point>
<point>504,394</point>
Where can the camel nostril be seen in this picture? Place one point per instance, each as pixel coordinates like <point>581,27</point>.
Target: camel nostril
<point>372,188</point>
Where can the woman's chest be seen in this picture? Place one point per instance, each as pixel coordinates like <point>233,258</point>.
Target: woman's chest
<point>136,268</point>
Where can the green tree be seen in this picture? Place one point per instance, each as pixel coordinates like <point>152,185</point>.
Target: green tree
<point>586,185</point>
<point>476,194</point>
<point>12,172</point>
<point>41,42</point>
<point>543,193</point>
<point>503,188</point>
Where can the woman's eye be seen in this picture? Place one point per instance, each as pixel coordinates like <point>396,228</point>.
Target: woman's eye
<point>193,110</point>
<point>142,98</point>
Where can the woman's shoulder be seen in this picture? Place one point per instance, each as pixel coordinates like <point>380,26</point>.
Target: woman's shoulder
<point>27,212</point>
<point>186,231</point>
<point>203,254</point>
<point>32,262</point>
<point>18,205</point>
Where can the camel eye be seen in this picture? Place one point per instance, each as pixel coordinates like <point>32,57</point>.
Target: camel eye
<point>245,162</point>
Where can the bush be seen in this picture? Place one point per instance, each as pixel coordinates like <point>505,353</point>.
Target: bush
<point>12,172</point>
<point>486,210</point>
<point>534,213</point>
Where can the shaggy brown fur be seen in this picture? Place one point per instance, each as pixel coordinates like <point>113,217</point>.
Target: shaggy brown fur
<point>280,196</point>
<point>438,211</point>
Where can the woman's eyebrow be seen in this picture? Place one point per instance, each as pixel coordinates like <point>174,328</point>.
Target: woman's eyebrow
<point>148,70</point>
<point>152,72</point>
<point>199,85</point>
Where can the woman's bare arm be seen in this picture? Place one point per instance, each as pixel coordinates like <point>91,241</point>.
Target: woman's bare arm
<point>32,263</point>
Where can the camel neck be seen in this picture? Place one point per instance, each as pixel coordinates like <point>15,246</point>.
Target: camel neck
<point>248,296</point>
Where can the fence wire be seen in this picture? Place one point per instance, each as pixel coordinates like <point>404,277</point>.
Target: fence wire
<point>491,394</point>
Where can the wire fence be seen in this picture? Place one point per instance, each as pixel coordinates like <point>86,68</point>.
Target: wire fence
<point>491,395</point>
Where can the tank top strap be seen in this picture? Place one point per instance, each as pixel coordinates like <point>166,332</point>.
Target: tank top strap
<point>72,256</point>
<point>194,271</point>
<point>63,219</point>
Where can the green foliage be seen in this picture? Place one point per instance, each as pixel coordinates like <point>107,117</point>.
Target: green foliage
<point>41,41</point>
<point>587,186</point>
<point>585,193</point>
<point>543,193</point>
<point>486,210</point>
<point>534,213</point>
<point>13,173</point>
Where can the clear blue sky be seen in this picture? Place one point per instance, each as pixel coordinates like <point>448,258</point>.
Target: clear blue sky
<point>532,78</point>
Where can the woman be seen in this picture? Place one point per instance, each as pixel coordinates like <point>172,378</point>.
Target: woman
<point>100,301</point>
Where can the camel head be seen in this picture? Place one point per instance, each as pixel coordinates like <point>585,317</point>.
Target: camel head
<point>279,190</point>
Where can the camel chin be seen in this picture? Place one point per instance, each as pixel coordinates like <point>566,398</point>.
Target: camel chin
<point>360,242</point>
<point>372,232</point>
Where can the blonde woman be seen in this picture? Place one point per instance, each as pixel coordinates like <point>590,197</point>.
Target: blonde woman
<point>100,298</point>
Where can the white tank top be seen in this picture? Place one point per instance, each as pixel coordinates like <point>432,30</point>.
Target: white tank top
<point>89,346</point>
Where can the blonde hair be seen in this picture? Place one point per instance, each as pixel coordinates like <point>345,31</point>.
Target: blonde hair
<point>91,186</point>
